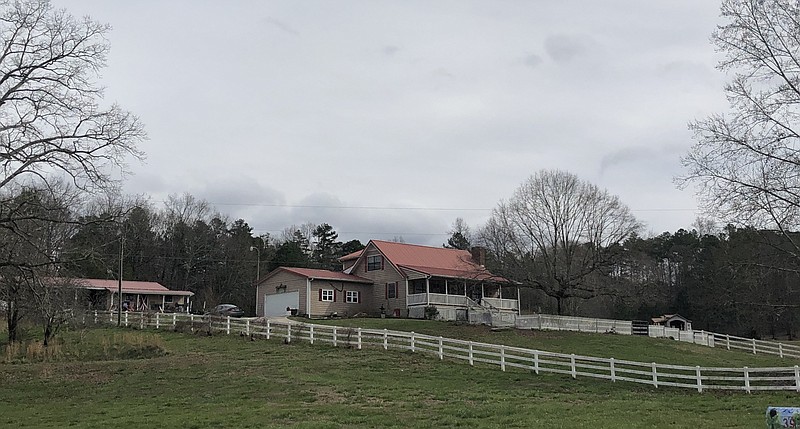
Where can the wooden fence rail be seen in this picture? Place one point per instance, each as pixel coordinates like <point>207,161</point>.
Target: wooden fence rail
<point>505,357</point>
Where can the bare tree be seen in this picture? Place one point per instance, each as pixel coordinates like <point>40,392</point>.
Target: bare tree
<point>746,163</point>
<point>52,126</point>
<point>51,120</point>
<point>558,234</point>
<point>34,248</point>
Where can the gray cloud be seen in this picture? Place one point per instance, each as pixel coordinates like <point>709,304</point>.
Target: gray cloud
<point>390,50</point>
<point>286,28</point>
<point>455,120</point>
<point>563,48</point>
<point>532,60</point>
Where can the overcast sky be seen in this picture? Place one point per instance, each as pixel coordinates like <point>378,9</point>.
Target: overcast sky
<point>392,118</point>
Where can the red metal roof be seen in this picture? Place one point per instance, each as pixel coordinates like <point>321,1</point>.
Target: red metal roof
<point>130,286</point>
<point>312,273</point>
<point>351,256</point>
<point>437,261</point>
<point>478,275</point>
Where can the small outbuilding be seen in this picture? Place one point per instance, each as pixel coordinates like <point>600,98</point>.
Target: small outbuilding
<point>136,295</point>
<point>673,321</point>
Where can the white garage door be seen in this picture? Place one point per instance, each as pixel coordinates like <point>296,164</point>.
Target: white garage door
<point>275,305</point>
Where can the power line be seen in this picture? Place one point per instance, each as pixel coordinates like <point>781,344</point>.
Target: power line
<point>344,207</point>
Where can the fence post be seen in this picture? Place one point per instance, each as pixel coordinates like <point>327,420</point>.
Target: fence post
<point>797,377</point>
<point>334,336</point>
<point>267,328</point>
<point>441,350</point>
<point>746,380</point>
<point>413,342</point>
<point>780,349</point>
<point>191,322</point>
<point>471,357</point>
<point>174,320</point>
<point>536,361</point>
<point>247,327</point>
<point>110,317</point>
<point>126,319</point>
<point>386,339</point>
<point>158,324</point>
<point>572,365</point>
<point>289,332</point>
<point>613,371</point>
<point>728,341</point>
<point>754,346</point>
<point>359,338</point>
<point>228,325</point>
<point>95,317</point>
<point>502,358</point>
<point>141,320</point>
<point>311,334</point>
<point>655,375</point>
<point>699,380</point>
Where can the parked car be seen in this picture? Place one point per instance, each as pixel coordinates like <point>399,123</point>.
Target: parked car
<point>227,310</point>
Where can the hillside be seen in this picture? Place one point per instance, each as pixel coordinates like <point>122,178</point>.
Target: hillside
<point>231,381</point>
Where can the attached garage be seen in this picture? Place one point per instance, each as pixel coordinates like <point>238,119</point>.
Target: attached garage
<point>276,304</point>
<point>313,293</point>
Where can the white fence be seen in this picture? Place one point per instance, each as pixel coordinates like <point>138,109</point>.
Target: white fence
<point>568,323</point>
<point>710,339</point>
<point>505,357</point>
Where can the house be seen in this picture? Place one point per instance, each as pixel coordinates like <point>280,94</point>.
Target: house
<point>395,279</point>
<point>673,321</point>
<point>136,295</point>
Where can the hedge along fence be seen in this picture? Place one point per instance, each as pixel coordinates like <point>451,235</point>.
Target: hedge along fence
<point>654,374</point>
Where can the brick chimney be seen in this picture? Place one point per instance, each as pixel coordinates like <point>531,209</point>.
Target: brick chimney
<point>479,255</point>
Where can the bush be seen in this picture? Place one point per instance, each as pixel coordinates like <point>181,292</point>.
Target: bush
<point>431,312</point>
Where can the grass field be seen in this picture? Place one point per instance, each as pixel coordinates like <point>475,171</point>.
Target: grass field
<point>110,378</point>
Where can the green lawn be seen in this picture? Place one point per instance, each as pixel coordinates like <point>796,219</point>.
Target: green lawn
<point>641,349</point>
<point>193,381</point>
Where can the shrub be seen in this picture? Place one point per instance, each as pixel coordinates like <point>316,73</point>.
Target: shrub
<point>431,312</point>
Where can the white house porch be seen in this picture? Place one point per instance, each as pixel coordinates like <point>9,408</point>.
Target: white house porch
<point>460,293</point>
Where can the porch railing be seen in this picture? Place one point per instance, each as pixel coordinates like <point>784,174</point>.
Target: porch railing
<point>503,304</point>
<point>436,299</point>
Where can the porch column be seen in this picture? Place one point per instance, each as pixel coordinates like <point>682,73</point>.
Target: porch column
<point>519,305</point>
<point>501,290</point>
<point>427,290</point>
<point>465,288</point>
<point>483,293</point>
<point>163,302</point>
<point>137,302</point>
<point>446,291</point>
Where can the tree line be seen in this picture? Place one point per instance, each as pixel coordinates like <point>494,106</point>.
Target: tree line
<point>573,247</point>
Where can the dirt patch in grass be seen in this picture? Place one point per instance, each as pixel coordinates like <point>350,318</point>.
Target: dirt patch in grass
<point>329,396</point>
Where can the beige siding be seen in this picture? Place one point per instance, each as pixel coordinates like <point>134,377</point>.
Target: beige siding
<point>348,264</point>
<point>380,278</point>
<point>293,282</point>
<point>340,306</point>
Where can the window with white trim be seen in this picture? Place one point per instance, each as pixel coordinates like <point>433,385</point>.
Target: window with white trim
<point>326,295</point>
<point>374,263</point>
<point>352,297</point>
